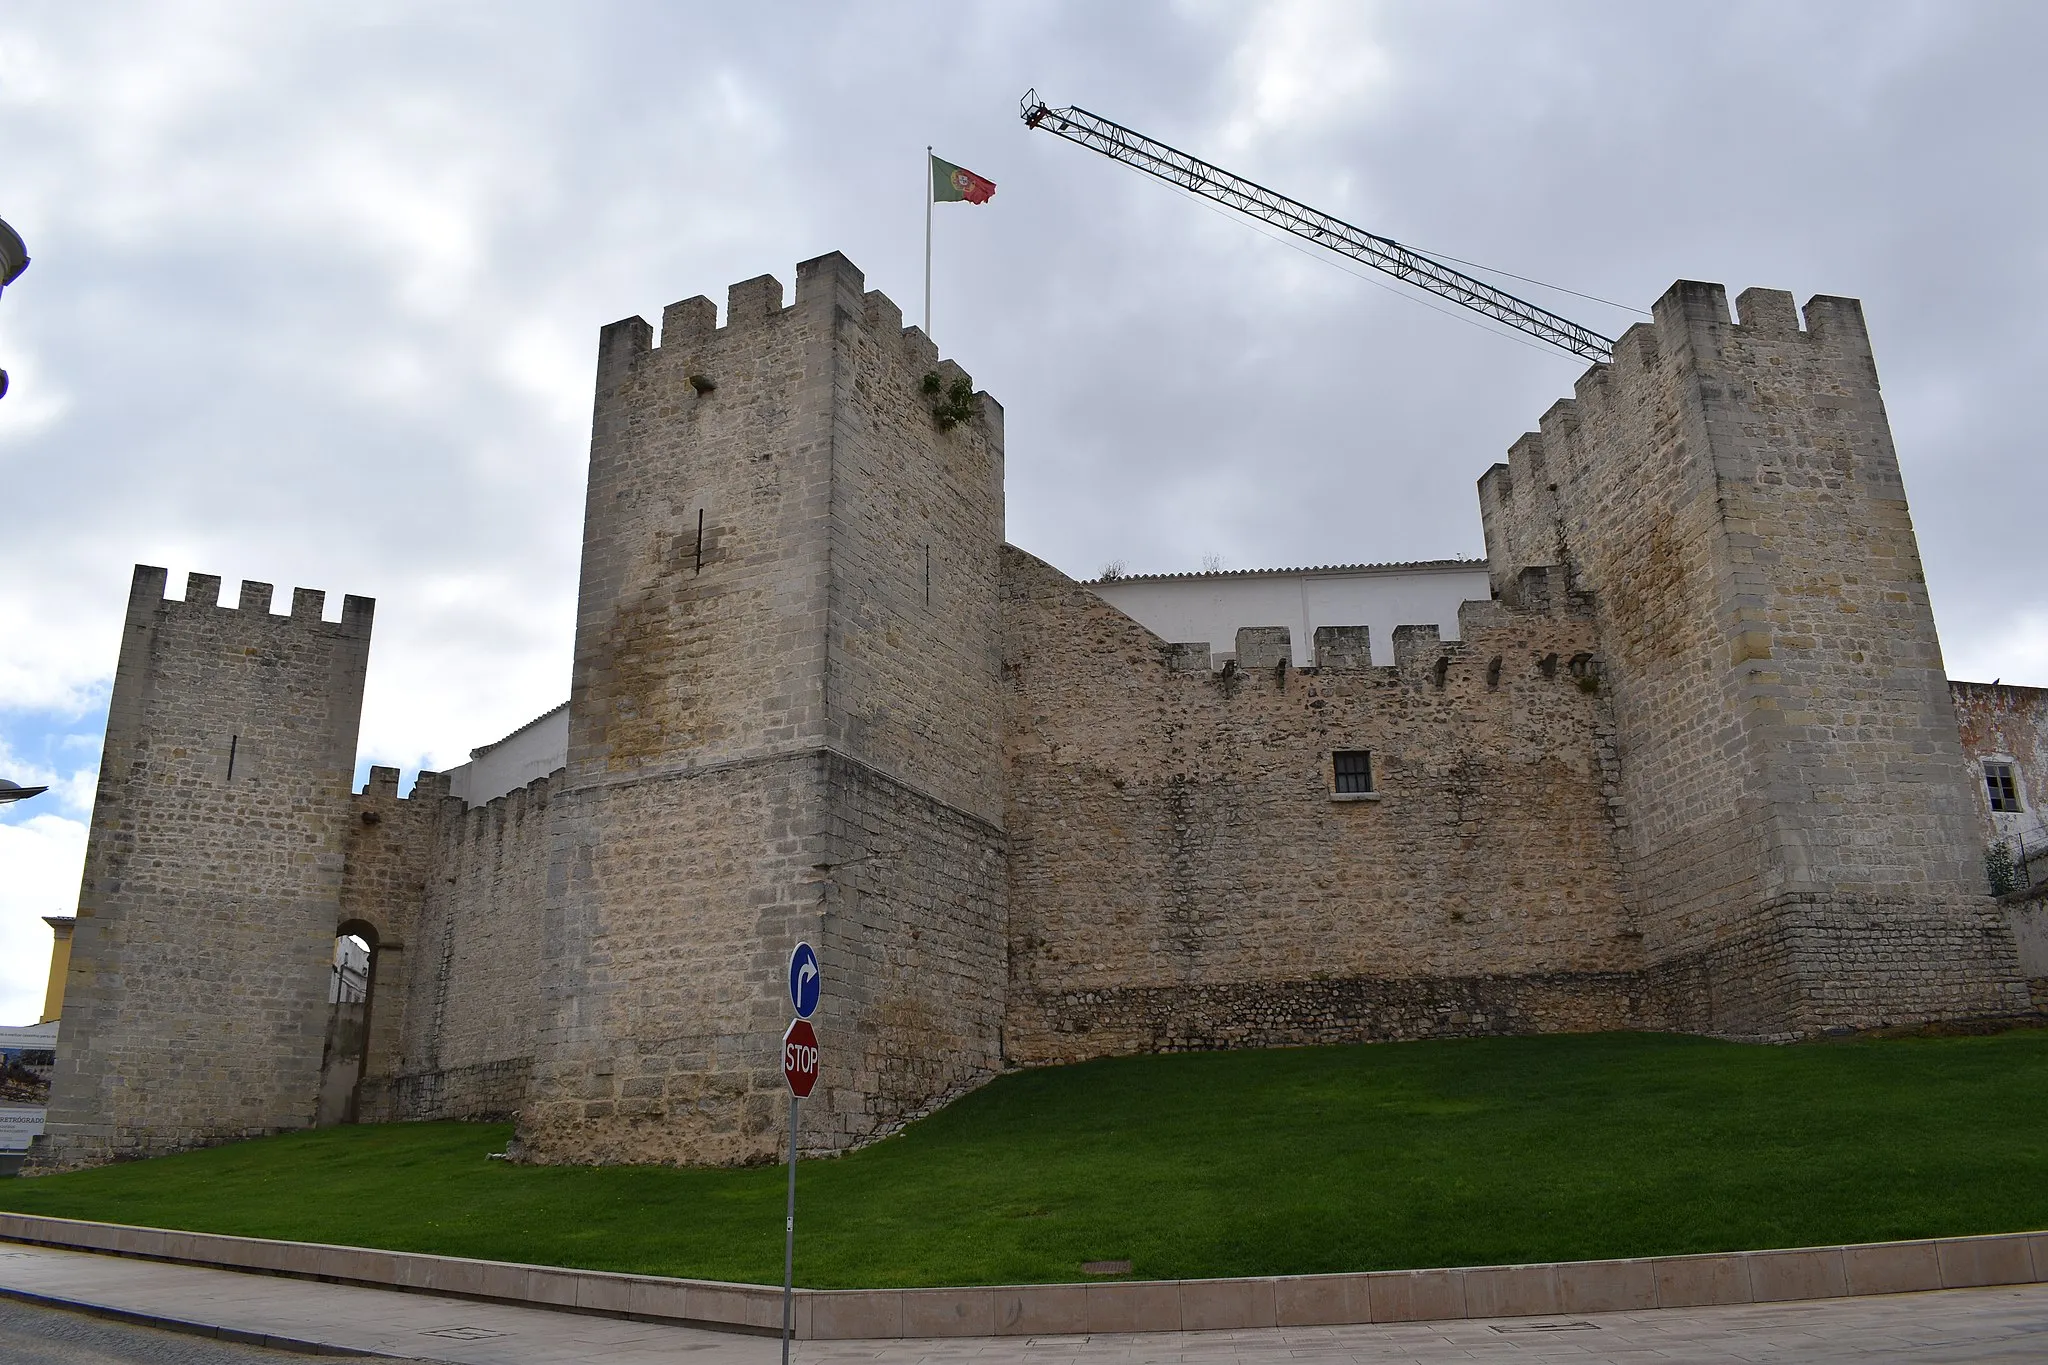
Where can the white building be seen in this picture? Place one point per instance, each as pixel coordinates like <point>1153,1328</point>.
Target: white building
<point>1183,608</point>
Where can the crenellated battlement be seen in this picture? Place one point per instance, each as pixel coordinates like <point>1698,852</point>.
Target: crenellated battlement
<point>1417,650</point>
<point>1538,594</point>
<point>149,594</point>
<point>1263,647</point>
<point>380,788</point>
<point>1532,513</point>
<point>692,345</point>
<point>1343,647</point>
<point>1692,325</point>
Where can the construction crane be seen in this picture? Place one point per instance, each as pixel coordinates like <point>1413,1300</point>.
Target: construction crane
<point>1192,173</point>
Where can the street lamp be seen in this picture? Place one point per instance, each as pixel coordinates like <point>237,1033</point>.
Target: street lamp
<point>13,260</point>
<point>14,791</point>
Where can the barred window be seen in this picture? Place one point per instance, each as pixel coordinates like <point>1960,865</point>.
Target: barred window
<point>1353,771</point>
<point>2003,784</point>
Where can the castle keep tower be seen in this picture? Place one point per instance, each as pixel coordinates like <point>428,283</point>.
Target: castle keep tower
<point>197,1002</point>
<point>1804,845</point>
<point>783,724</point>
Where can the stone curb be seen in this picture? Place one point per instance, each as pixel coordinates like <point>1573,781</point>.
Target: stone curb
<point>185,1326</point>
<point>1732,1277</point>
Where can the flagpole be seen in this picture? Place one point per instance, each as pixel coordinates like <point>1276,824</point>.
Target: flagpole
<point>927,240</point>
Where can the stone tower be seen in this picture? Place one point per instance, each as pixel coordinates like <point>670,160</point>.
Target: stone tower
<point>1802,839</point>
<point>197,1002</point>
<point>784,724</point>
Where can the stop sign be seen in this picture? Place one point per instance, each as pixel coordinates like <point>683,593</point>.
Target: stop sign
<point>800,1058</point>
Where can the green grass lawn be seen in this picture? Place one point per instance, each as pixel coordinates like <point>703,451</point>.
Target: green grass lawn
<point>1228,1163</point>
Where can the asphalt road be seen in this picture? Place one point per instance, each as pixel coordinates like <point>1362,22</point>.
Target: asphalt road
<point>33,1335</point>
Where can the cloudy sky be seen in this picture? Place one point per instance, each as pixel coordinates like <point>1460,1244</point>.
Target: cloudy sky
<point>316,289</point>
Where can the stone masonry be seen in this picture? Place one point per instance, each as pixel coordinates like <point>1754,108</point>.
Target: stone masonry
<point>196,1005</point>
<point>1792,775</point>
<point>1183,873</point>
<point>1695,766</point>
<point>784,725</point>
<point>451,901</point>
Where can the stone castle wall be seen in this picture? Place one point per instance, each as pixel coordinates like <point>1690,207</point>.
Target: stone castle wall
<point>1183,875</point>
<point>1728,494</point>
<point>453,899</point>
<point>761,710</point>
<point>1696,767</point>
<point>913,935</point>
<point>913,909</point>
<point>389,851</point>
<point>196,1007</point>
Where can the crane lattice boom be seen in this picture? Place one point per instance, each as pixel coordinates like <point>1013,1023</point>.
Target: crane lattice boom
<point>1256,201</point>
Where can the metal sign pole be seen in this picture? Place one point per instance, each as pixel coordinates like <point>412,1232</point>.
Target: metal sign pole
<point>789,1240</point>
<point>800,1070</point>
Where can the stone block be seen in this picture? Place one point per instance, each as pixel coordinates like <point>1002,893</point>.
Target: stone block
<point>648,1296</point>
<point>1343,647</point>
<point>556,1288</point>
<point>1041,1309</point>
<point>1261,647</point>
<point>1510,1291</point>
<point>1700,1281</point>
<point>450,1275</point>
<point>1226,1305</point>
<point>1969,1262</point>
<point>1134,1306</point>
<point>1315,1300</point>
<point>133,1241</point>
<point>181,1246</point>
<point>1415,1295</point>
<point>1891,1268</point>
<point>732,1304</point>
<point>1624,1286</point>
<point>949,1313</point>
<point>856,1314</point>
<point>1813,1273</point>
<point>373,1267</point>
<point>502,1280</point>
<point>605,1294</point>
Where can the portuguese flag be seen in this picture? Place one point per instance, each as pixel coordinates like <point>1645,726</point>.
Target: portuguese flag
<point>951,184</point>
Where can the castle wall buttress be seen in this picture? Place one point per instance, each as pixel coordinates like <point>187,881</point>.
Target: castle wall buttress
<point>197,1003</point>
<point>1728,493</point>
<point>782,726</point>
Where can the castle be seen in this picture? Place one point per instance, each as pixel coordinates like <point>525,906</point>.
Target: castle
<point>1691,762</point>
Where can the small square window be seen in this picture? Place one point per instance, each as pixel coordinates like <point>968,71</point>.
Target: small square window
<point>2003,783</point>
<point>1353,769</point>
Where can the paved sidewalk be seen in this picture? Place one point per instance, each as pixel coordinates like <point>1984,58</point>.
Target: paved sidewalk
<point>1980,1325</point>
<point>31,1334</point>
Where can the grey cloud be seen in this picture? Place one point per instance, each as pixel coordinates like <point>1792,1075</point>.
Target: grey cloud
<point>315,295</point>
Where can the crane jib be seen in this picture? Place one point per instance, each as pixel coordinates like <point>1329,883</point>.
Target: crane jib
<point>1313,225</point>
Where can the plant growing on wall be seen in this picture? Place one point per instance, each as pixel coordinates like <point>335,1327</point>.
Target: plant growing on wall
<point>951,403</point>
<point>2002,869</point>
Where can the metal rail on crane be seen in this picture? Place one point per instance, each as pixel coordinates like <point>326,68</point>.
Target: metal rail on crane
<point>1176,167</point>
